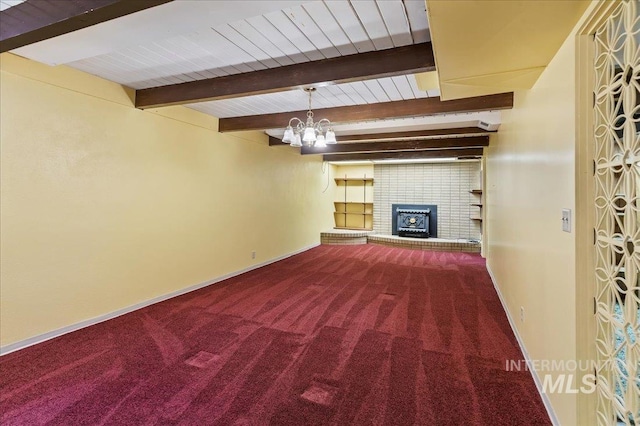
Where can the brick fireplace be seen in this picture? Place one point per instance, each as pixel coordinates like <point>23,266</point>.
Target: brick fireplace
<point>443,185</point>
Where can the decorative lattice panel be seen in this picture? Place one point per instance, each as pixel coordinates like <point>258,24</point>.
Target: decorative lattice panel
<point>617,200</point>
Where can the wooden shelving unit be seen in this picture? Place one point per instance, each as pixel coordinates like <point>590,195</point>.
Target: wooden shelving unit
<point>346,179</point>
<point>356,215</point>
<point>478,204</point>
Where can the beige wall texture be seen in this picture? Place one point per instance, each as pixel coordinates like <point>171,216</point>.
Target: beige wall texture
<point>105,206</point>
<point>529,180</point>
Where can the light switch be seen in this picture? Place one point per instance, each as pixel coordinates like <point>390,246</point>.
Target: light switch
<point>566,220</point>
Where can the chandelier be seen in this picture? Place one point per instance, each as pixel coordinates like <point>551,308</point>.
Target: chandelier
<point>313,134</point>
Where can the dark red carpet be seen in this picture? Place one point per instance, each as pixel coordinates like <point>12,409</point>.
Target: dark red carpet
<point>338,335</point>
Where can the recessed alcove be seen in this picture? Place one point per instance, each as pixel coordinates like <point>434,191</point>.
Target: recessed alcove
<point>450,191</point>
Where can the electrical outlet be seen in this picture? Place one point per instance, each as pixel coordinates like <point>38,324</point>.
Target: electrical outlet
<point>253,254</point>
<point>521,313</point>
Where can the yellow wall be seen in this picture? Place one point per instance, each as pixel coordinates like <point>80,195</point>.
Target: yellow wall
<point>354,170</point>
<point>105,206</point>
<point>529,180</point>
<point>354,192</point>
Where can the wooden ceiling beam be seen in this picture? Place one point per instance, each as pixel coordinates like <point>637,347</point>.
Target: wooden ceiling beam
<point>404,145</point>
<point>400,135</point>
<point>362,66</point>
<point>414,134</point>
<point>405,155</point>
<point>37,20</point>
<point>377,111</point>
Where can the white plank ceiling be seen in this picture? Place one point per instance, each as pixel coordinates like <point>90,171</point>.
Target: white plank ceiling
<point>173,19</point>
<point>184,41</point>
<point>357,93</point>
<point>6,4</point>
<point>308,32</point>
<point>303,33</point>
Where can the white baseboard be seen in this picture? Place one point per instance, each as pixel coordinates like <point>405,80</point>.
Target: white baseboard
<point>12,347</point>
<point>534,374</point>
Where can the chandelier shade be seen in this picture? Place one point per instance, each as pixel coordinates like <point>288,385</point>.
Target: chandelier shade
<point>313,133</point>
<point>309,135</point>
<point>288,135</point>
<point>297,142</point>
<point>321,142</point>
<point>331,137</point>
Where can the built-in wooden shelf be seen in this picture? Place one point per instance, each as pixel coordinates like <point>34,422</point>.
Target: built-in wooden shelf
<point>359,221</point>
<point>478,204</point>
<point>356,215</point>
<point>353,207</point>
<point>365,179</point>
